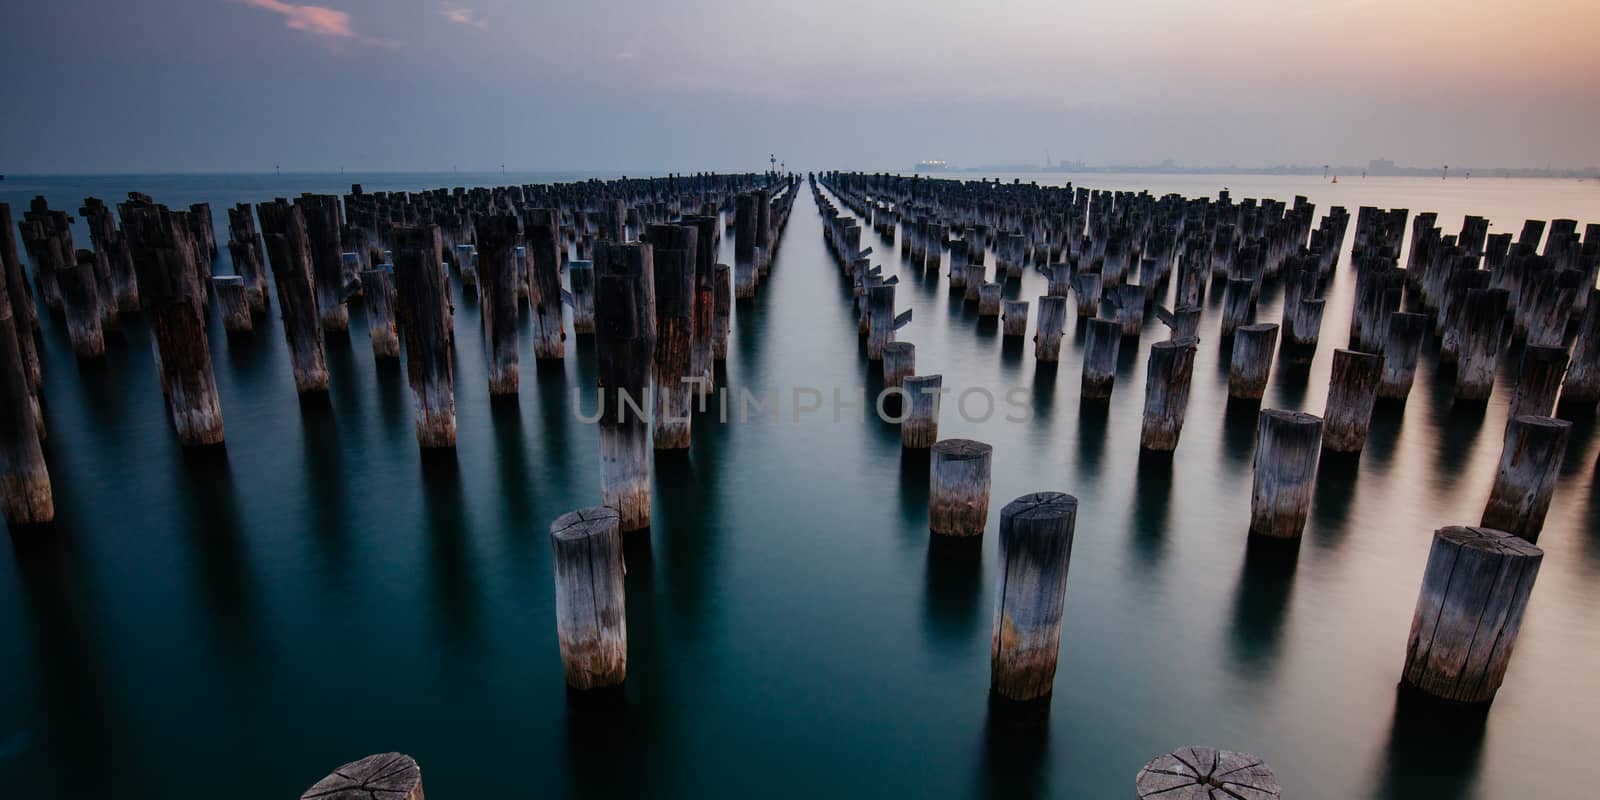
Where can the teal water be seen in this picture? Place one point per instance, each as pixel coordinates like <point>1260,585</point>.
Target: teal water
<point>239,623</point>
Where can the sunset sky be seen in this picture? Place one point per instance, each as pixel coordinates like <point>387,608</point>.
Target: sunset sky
<point>242,85</point>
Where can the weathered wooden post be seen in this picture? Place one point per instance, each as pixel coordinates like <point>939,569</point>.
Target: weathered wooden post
<point>23,315</point>
<point>425,324</point>
<point>386,776</point>
<point>702,355</point>
<point>1474,592</point>
<point>1581,388</point>
<point>674,292</point>
<point>1128,300</point>
<point>958,266</point>
<point>1238,305</point>
<point>284,233</point>
<point>1538,382</point>
<point>541,231</point>
<point>322,227</point>
<point>1060,280</point>
<point>1530,462</point>
<point>80,297</point>
<point>378,288</point>
<point>899,363</point>
<point>233,303</point>
<point>989,300</point>
<point>1102,345</point>
<point>498,304</point>
<point>744,247</point>
<point>1014,319</point>
<point>1052,323</point>
<point>1036,533</point>
<point>977,277</point>
<point>1086,286</point>
<point>1401,351</point>
<point>1352,392</point>
<point>1285,472</point>
<point>1206,773</point>
<point>164,255</point>
<point>249,255</point>
<point>25,494</point>
<point>958,492</point>
<point>880,319</point>
<point>920,428</point>
<point>581,275</point>
<point>625,337</point>
<point>1482,317</point>
<point>1166,393</point>
<point>591,618</point>
<point>1251,363</point>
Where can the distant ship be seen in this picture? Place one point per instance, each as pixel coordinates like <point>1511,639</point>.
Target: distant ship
<point>931,166</point>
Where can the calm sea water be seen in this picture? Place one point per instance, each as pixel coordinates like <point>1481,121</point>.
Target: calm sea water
<point>239,623</point>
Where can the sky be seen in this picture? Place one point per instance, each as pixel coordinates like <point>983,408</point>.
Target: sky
<point>423,85</point>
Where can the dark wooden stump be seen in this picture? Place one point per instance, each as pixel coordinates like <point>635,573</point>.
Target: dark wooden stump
<point>1539,381</point>
<point>625,335</point>
<point>1086,286</point>
<point>744,247</point>
<point>1206,773</point>
<point>1238,305</point>
<point>920,429</point>
<point>1482,316</point>
<point>1052,323</point>
<point>284,233</point>
<point>234,304</point>
<point>899,363</point>
<point>1401,351</point>
<point>1352,392</point>
<point>1474,592</point>
<point>498,306</point>
<point>1166,394</point>
<point>425,324</point>
<point>1101,346</point>
<point>80,297</point>
<point>25,494</point>
<point>386,776</point>
<point>958,493</point>
<point>1530,462</point>
<point>1288,444</point>
<point>542,233</point>
<point>673,397</point>
<point>378,288</point>
<point>1036,532</point>
<point>591,618</point>
<point>1014,319</point>
<point>1251,364</point>
<point>1581,388</point>
<point>989,300</point>
<point>249,255</point>
<point>322,228</point>
<point>880,319</point>
<point>721,312</point>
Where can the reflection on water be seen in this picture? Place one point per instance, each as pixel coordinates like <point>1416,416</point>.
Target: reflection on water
<point>1260,605</point>
<point>1433,749</point>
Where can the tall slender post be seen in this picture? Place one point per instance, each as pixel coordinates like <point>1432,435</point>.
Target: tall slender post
<point>591,618</point>
<point>1036,533</point>
<point>498,304</point>
<point>25,493</point>
<point>1530,462</point>
<point>721,312</point>
<point>1166,393</point>
<point>541,230</point>
<point>625,336</point>
<point>1581,388</point>
<point>880,320</point>
<point>1475,590</point>
<point>378,288</point>
<point>249,255</point>
<point>290,251</point>
<point>322,226</point>
<point>580,274</point>
<point>674,285</point>
<point>958,492</point>
<point>744,247</point>
<point>80,295</point>
<point>1482,318</point>
<point>1285,472</point>
<point>425,324</point>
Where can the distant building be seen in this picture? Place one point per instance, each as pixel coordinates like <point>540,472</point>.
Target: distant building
<point>1381,166</point>
<point>931,166</point>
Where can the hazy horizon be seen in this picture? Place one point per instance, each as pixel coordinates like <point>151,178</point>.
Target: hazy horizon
<point>231,86</point>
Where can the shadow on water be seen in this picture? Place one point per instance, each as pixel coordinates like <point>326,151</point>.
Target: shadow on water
<point>325,476</point>
<point>952,611</point>
<point>688,516</point>
<point>1335,492</point>
<point>1384,436</point>
<point>1044,389</point>
<point>1458,427</point>
<point>1434,748</point>
<point>914,475</point>
<point>1011,350</point>
<point>1239,420</point>
<point>1152,502</point>
<point>1260,603</point>
<point>1127,360</point>
<point>1224,357</point>
<point>516,481</point>
<point>449,549</point>
<point>346,396</point>
<point>220,554</point>
<point>1093,416</point>
<point>393,395</point>
<point>1579,438</point>
<point>1015,759</point>
<point>551,387</point>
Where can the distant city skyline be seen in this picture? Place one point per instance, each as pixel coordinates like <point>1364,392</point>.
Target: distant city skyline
<point>422,85</point>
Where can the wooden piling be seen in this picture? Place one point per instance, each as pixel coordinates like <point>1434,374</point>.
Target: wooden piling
<point>1482,318</point>
<point>1475,590</point>
<point>1401,351</point>
<point>1166,393</point>
<point>541,232</point>
<point>164,256</point>
<point>899,363</point>
<point>1036,532</point>
<point>1581,388</point>
<point>1538,382</point>
<point>1102,344</point>
<point>378,289</point>
<point>880,319</point>
<point>744,247</point>
<point>580,274</point>
<point>674,292</point>
<point>1288,444</point>
<point>1047,333</point>
<point>1086,286</point>
<point>1530,462</point>
<point>386,776</point>
<point>989,300</point>
<point>920,428</point>
<point>591,618</point>
<point>284,233</point>
<point>1014,319</point>
<point>1251,363</point>
<point>249,255</point>
<point>25,494</point>
<point>322,227</point>
<point>1238,305</point>
<point>958,491</point>
<point>722,312</point>
<point>233,303</point>
<point>1352,392</point>
<point>625,335</point>
<point>1206,773</point>
<point>24,316</point>
<point>425,325</point>
<point>498,306</point>
<point>80,296</point>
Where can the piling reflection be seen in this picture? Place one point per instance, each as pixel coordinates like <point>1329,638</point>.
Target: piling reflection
<point>952,611</point>
<point>1383,437</point>
<point>1260,604</point>
<point>1337,474</point>
<point>687,516</point>
<point>1239,419</point>
<point>449,555</point>
<point>1093,416</point>
<point>1016,749</point>
<point>220,554</point>
<point>1434,748</point>
<point>324,472</point>
<point>1152,502</point>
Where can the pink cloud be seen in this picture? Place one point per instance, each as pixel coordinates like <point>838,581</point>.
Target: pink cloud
<point>319,21</point>
<point>461,15</point>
